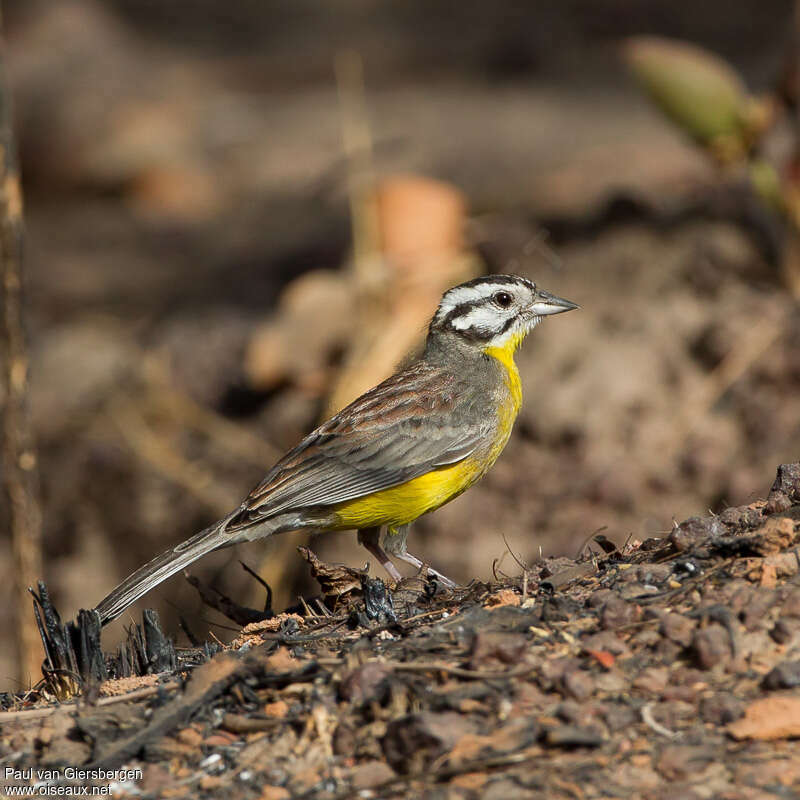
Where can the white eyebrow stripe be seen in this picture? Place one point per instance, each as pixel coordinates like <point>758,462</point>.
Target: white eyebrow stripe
<point>459,296</point>
<point>462,295</point>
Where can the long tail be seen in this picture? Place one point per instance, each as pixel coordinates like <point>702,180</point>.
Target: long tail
<point>161,568</point>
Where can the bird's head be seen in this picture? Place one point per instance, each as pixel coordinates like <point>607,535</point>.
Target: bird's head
<point>494,312</point>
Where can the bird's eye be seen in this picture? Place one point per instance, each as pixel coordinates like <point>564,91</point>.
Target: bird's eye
<point>503,299</point>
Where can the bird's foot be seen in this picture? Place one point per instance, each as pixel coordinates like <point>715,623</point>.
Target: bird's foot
<point>370,538</point>
<point>420,565</point>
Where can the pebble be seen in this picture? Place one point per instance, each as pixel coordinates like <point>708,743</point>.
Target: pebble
<point>617,612</point>
<point>711,646</point>
<point>785,675</point>
<point>721,708</point>
<point>677,628</point>
<point>371,775</point>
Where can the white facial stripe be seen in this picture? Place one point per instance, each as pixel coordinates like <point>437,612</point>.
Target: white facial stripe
<point>484,319</point>
<point>470,294</point>
<point>524,326</point>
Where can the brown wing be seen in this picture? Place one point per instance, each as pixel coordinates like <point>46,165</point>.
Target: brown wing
<point>403,428</point>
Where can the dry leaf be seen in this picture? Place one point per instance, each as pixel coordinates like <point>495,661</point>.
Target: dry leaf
<point>776,717</point>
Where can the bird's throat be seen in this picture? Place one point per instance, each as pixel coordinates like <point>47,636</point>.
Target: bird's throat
<point>504,354</point>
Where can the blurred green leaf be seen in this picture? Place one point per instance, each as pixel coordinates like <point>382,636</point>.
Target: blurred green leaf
<point>697,90</point>
<point>766,182</point>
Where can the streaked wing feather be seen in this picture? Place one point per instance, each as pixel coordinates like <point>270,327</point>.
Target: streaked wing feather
<point>397,431</point>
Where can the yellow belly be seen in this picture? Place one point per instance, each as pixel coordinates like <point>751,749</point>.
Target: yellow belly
<point>402,504</point>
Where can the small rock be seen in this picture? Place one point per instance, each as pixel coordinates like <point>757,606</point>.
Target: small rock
<point>617,612</point>
<point>721,708</point>
<point>754,612</point>
<point>367,683</point>
<point>574,713</point>
<point>791,605</point>
<point>274,793</point>
<point>732,516</point>
<point>774,536</point>
<point>776,772</point>
<point>281,661</point>
<point>492,648</point>
<point>677,628</point>
<point>667,651</point>
<point>190,736</point>
<point>607,641</point>
<point>501,789</point>
<point>553,670</point>
<point>412,743</point>
<point>578,684</point>
<point>785,491</point>
<point>784,630</point>
<point>634,590</point>
<point>695,531</point>
<point>221,739</point>
<point>679,762</point>
<point>279,709</point>
<point>785,675</point>
<point>305,779</point>
<point>611,682</point>
<point>688,676</point>
<point>344,740</point>
<point>618,717</point>
<point>685,694</point>
<point>371,775</point>
<point>654,573</point>
<point>599,598</point>
<point>572,736</point>
<point>652,679</point>
<point>470,781</point>
<point>505,597</point>
<point>711,646</point>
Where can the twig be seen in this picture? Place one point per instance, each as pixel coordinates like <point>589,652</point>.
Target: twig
<point>521,564</point>
<point>219,601</point>
<point>589,539</point>
<point>20,474</point>
<point>207,683</point>
<point>445,773</point>
<point>267,587</point>
<point>136,694</point>
<point>170,463</point>
<point>744,352</point>
<point>561,579</point>
<point>181,407</point>
<point>649,720</point>
<point>474,674</point>
<point>357,145</point>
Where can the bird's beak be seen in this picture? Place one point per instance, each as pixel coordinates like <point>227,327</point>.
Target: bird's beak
<point>545,304</point>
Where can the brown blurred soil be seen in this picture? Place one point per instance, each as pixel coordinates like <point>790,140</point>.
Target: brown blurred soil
<point>169,207</point>
<point>667,668</point>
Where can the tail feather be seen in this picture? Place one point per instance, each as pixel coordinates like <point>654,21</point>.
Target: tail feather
<point>159,569</point>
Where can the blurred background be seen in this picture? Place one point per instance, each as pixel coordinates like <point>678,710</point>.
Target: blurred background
<point>241,214</point>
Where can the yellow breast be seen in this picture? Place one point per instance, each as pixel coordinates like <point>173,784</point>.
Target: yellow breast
<point>508,410</point>
<point>402,504</point>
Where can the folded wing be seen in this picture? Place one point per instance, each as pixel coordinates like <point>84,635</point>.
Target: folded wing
<point>401,429</point>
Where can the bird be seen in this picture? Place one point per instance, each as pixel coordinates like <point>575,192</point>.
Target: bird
<point>402,449</point>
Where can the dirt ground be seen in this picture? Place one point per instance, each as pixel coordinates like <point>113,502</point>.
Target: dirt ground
<point>627,623</point>
<point>174,187</point>
<point>667,669</point>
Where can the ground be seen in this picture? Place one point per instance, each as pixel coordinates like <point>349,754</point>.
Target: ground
<point>181,176</point>
<point>665,669</point>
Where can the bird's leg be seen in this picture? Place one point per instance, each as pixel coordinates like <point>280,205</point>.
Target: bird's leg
<point>371,539</point>
<point>395,544</point>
